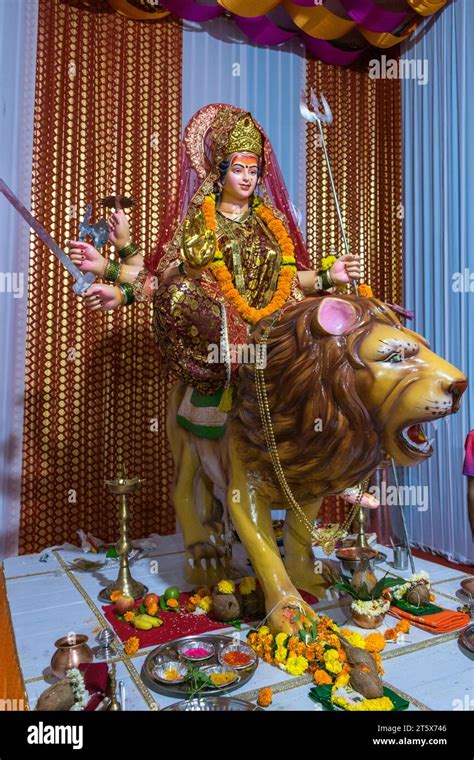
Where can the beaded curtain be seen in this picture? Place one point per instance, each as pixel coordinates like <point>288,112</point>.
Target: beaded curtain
<point>364,147</point>
<point>107,119</point>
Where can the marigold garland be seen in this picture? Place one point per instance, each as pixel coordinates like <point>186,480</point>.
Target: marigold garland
<point>224,277</point>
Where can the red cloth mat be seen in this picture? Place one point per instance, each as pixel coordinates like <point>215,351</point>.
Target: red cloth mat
<point>175,624</point>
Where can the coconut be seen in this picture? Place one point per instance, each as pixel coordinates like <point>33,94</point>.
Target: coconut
<point>418,595</point>
<point>366,682</point>
<point>357,656</point>
<point>364,575</point>
<point>57,697</point>
<point>253,604</point>
<point>226,606</point>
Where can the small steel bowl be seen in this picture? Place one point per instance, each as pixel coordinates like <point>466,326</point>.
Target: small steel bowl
<point>185,646</point>
<point>212,669</point>
<point>236,648</point>
<point>160,671</point>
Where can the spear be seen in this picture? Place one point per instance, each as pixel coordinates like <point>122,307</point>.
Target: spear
<point>321,116</point>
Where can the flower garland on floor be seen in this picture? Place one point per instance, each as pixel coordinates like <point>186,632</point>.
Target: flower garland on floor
<point>224,278</point>
<point>317,650</point>
<point>321,654</point>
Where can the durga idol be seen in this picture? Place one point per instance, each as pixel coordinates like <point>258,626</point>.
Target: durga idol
<point>230,254</point>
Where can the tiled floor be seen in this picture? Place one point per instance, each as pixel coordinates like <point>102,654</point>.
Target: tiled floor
<point>434,672</point>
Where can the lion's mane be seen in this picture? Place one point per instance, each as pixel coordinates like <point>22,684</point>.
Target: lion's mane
<point>310,381</point>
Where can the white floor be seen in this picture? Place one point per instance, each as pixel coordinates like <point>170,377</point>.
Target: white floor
<point>433,671</point>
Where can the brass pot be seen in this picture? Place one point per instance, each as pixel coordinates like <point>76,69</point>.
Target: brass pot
<point>367,621</point>
<point>70,652</point>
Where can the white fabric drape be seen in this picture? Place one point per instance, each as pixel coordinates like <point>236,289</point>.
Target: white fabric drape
<point>438,119</point>
<point>18,22</point>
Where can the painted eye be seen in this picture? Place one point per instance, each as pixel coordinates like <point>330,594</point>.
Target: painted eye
<point>395,358</point>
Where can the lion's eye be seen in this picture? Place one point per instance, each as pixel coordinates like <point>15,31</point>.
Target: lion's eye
<point>395,358</point>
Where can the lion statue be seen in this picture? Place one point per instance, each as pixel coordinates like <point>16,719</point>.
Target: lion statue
<point>347,386</point>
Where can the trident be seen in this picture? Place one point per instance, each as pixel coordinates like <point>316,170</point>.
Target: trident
<point>320,116</point>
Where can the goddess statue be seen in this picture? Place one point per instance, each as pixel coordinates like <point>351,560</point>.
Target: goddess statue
<point>229,254</point>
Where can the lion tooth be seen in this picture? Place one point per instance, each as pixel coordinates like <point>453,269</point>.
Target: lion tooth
<point>212,538</point>
<point>214,563</point>
<point>204,563</point>
<point>191,561</point>
<point>430,442</point>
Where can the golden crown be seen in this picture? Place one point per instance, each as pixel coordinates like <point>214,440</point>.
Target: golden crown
<point>245,136</point>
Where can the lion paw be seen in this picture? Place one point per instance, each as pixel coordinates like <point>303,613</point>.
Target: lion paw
<point>290,615</point>
<point>206,564</point>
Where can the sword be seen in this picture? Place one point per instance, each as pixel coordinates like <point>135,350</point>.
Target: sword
<point>82,281</point>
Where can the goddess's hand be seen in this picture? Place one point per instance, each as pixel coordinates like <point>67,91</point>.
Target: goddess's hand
<point>119,231</point>
<point>199,243</point>
<point>103,297</point>
<point>86,257</point>
<point>345,269</point>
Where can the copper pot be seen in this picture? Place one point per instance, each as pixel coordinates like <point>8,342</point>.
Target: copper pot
<point>71,651</point>
<point>367,621</point>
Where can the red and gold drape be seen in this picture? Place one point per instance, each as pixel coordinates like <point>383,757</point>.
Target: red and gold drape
<point>107,118</point>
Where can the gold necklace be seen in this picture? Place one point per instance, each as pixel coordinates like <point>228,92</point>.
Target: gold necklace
<point>327,542</point>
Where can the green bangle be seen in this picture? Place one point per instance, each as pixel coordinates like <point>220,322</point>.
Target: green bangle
<point>128,293</point>
<point>326,280</point>
<point>112,270</point>
<point>127,251</point>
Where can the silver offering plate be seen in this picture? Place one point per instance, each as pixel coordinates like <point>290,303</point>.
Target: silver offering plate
<point>170,652</point>
<point>214,704</point>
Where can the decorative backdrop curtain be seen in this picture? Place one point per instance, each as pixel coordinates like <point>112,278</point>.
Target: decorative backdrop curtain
<point>17,66</point>
<point>107,119</point>
<point>438,158</point>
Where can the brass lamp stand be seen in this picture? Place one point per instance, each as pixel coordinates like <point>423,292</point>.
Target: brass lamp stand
<point>123,486</point>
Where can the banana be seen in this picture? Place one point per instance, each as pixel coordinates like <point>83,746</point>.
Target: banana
<point>156,622</point>
<point>143,625</point>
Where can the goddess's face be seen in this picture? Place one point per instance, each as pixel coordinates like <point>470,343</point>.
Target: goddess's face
<point>242,175</point>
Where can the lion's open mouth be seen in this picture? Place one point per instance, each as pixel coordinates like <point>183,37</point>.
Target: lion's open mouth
<point>415,439</point>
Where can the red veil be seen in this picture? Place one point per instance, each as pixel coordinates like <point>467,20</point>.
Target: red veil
<point>203,148</point>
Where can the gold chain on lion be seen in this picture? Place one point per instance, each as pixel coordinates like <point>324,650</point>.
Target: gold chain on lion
<point>327,542</point>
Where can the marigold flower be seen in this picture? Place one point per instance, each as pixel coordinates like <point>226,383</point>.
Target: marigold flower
<point>205,603</point>
<point>131,645</point>
<point>296,665</point>
<point>129,616</point>
<point>391,634</point>
<point>365,291</point>
<point>375,642</point>
<point>247,585</point>
<point>403,626</point>
<point>226,587</point>
<point>265,697</point>
<point>115,595</point>
<point>321,677</point>
<point>173,603</point>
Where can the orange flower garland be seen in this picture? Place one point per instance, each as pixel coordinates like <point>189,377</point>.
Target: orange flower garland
<point>224,277</point>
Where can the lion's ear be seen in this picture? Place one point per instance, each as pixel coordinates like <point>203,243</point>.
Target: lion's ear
<point>334,317</point>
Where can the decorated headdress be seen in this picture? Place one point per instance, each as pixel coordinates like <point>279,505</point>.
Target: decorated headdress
<point>210,136</point>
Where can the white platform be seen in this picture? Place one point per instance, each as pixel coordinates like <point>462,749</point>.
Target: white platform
<point>432,671</point>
